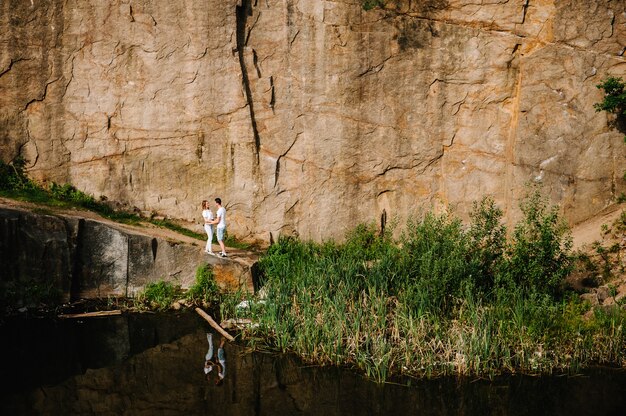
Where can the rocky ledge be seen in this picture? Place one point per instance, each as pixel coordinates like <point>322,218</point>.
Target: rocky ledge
<point>85,256</point>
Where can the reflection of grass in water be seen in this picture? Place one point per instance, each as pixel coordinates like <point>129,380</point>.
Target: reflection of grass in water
<point>443,299</point>
<point>30,294</point>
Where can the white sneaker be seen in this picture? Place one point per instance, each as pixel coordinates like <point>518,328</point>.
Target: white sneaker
<point>222,254</point>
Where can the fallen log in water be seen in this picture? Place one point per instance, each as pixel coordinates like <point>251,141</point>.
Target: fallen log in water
<point>214,324</point>
<point>90,314</point>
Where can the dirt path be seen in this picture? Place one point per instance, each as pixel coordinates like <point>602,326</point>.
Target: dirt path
<point>583,233</point>
<point>588,231</point>
<point>143,228</point>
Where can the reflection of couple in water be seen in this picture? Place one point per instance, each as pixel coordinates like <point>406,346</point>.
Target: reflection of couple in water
<point>218,363</point>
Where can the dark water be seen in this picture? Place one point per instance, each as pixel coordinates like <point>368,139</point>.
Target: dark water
<point>152,364</point>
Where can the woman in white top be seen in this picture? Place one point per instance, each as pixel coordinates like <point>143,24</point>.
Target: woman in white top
<point>207,214</point>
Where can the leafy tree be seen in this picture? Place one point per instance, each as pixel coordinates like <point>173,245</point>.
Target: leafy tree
<point>539,256</point>
<point>487,242</point>
<point>372,4</point>
<point>614,96</point>
<point>614,102</point>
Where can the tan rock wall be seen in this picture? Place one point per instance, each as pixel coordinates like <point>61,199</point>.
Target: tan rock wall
<point>312,116</point>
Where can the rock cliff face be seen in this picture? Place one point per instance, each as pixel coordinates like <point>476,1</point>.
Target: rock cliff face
<point>308,117</point>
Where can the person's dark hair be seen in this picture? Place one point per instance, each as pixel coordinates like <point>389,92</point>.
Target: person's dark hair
<point>218,200</point>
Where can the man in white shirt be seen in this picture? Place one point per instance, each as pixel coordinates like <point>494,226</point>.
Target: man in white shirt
<point>220,220</point>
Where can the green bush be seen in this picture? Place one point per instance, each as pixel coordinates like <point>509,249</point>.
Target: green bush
<point>614,96</point>
<point>444,298</point>
<point>371,4</point>
<point>159,295</point>
<point>487,243</point>
<point>13,177</point>
<point>539,256</point>
<point>366,241</point>
<point>205,289</point>
<point>68,193</point>
<point>432,261</point>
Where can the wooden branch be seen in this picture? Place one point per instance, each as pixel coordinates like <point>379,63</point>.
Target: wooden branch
<point>90,314</point>
<point>214,324</point>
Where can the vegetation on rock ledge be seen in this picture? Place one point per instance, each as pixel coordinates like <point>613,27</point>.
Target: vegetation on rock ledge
<point>372,4</point>
<point>14,183</point>
<point>444,298</point>
<point>614,96</point>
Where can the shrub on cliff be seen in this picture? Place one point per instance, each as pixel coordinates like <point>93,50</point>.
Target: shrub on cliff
<point>13,177</point>
<point>614,102</point>
<point>371,4</point>
<point>614,96</point>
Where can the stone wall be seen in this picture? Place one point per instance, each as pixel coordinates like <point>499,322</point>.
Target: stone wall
<point>87,258</point>
<point>308,117</point>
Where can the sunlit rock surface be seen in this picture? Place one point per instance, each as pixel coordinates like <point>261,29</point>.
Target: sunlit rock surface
<point>308,117</point>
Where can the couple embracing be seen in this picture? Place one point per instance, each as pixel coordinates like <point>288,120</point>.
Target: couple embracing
<point>209,221</point>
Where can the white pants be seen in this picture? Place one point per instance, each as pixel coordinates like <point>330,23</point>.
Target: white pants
<point>209,353</point>
<point>209,232</point>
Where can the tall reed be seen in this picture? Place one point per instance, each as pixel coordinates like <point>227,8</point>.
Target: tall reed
<point>441,299</point>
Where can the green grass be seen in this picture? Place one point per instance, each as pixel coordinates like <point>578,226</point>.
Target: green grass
<point>445,298</point>
<point>232,241</point>
<point>205,289</point>
<point>15,184</point>
<point>175,227</point>
<point>158,295</point>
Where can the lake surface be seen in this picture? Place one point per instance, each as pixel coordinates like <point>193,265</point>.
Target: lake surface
<point>151,364</point>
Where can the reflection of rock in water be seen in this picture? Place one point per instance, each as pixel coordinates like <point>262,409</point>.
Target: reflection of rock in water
<point>168,379</point>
